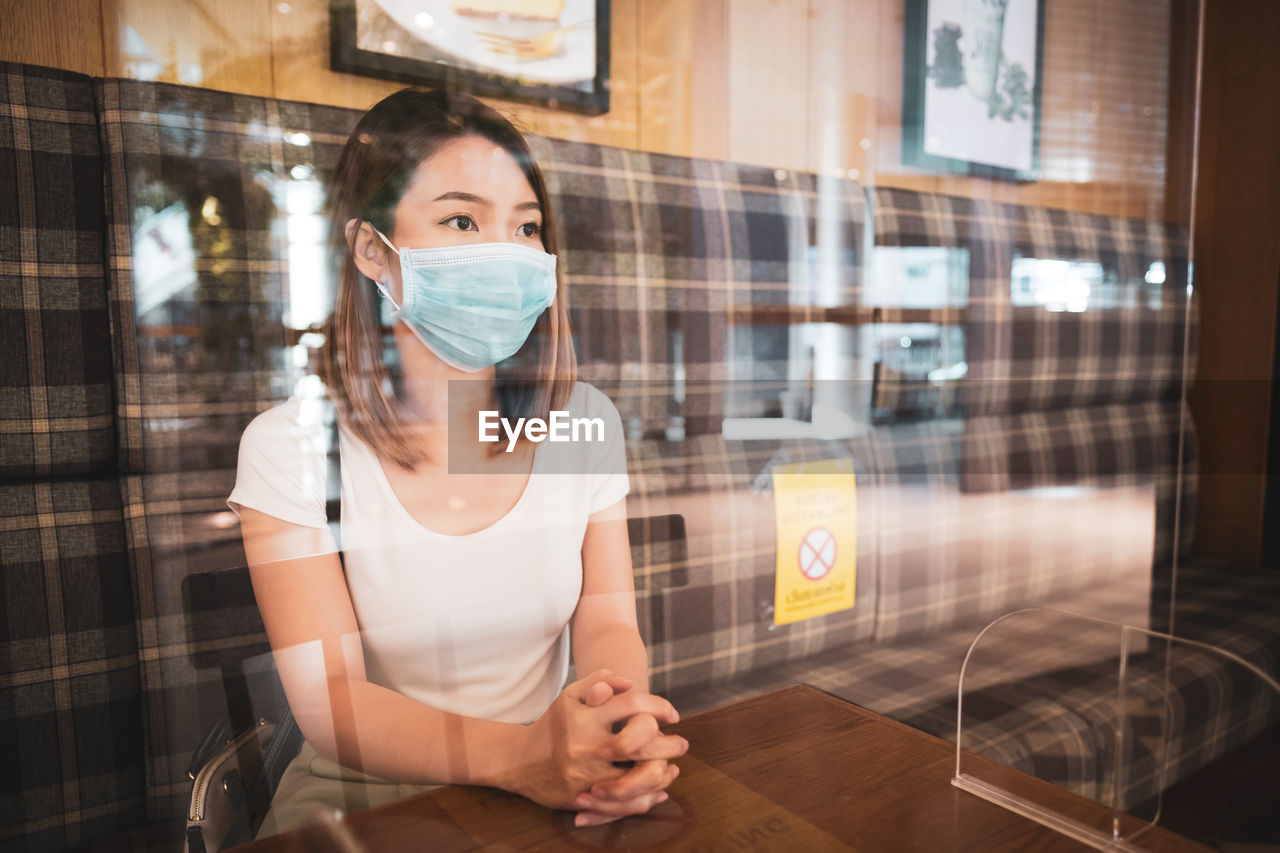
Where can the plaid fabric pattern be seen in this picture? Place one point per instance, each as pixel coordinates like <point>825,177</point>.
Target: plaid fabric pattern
<point>198,363</point>
<point>1059,725</point>
<point>708,619</point>
<point>660,252</point>
<point>906,677</point>
<point>70,697</point>
<point>55,374</point>
<point>1122,342</point>
<point>1051,397</point>
<point>952,554</point>
<point>203,350</point>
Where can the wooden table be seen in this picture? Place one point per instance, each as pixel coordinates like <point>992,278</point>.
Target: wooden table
<point>796,769</point>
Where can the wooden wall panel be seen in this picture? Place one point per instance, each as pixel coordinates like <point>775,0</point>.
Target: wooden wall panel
<point>709,83</point>
<point>300,59</point>
<point>791,84</point>
<point>217,44</point>
<point>1237,244</point>
<point>58,33</point>
<point>668,32</point>
<point>768,82</point>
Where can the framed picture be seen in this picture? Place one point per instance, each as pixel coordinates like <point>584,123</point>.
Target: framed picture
<point>971,87</point>
<point>468,45</point>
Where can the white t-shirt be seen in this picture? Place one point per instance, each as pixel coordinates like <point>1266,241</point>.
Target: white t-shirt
<point>475,624</point>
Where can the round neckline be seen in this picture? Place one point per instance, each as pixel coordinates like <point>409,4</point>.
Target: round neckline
<point>390,494</point>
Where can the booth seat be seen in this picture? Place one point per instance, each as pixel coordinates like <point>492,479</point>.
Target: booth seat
<point>155,258</point>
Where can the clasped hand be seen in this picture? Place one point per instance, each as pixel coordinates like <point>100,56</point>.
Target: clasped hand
<point>595,722</point>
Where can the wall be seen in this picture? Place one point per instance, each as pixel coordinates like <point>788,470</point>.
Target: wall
<point>1238,272</point>
<point>793,84</point>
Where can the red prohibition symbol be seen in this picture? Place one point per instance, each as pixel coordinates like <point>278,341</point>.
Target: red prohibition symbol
<point>817,553</point>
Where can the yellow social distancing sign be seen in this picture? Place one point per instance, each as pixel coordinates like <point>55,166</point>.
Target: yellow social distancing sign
<point>816,507</point>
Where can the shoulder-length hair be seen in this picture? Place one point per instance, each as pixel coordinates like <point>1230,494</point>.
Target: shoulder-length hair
<point>375,168</point>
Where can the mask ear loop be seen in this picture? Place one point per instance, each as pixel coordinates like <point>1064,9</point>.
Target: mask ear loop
<point>382,287</point>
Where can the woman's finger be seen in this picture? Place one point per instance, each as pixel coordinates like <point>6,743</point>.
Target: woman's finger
<point>605,689</point>
<point>638,731</point>
<point>578,689</point>
<point>640,739</point>
<point>665,747</point>
<point>629,704</point>
<point>646,777</point>
<point>593,819</point>
<point>609,810</point>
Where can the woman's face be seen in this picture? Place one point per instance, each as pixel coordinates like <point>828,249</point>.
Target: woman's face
<point>470,191</point>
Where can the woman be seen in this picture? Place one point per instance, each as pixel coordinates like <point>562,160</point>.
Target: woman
<point>437,653</point>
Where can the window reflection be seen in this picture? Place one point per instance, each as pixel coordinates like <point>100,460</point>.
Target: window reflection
<point>917,368</point>
<point>795,380</point>
<point>1075,286</point>
<point>164,260</point>
<point>305,228</point>
<point>918,277</point>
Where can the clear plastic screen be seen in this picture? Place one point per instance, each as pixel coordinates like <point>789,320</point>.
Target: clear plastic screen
<point>1102,760</point>
<point>768,262</point>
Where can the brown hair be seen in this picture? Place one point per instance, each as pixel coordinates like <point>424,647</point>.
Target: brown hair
<point>375,168</point>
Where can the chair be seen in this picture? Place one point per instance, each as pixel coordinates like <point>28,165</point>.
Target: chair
<point>236,768</point>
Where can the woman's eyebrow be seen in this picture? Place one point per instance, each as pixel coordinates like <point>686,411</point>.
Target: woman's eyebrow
<point>457,195</point>
<point>461,196</point>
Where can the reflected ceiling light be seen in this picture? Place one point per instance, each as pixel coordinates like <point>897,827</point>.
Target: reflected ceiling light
<point>779,174</point>
<point>389,46</point>
<point>853,174</point>
<point>302,140</point>
<point>209,211</point>
<point>423,20</point>
<point>300,172</point>
<point>284,8</point>
<point>1155,273</point>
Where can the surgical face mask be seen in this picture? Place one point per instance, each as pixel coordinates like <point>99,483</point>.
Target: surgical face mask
<point>472,305</point>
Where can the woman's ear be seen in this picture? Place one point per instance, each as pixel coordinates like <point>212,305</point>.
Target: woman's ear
<point>368,252</point>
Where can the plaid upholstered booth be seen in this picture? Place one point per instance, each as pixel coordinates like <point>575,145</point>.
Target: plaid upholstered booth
<point>71,684</point>
<point>162,243</point>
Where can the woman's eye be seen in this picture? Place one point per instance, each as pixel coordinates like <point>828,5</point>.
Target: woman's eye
<point>465,223</point>
<point>530,229</point>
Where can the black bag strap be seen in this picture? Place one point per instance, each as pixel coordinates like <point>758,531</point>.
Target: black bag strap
<point>281,749</point>
<point>209,746</point>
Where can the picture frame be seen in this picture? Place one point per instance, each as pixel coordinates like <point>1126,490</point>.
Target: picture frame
<point>971,104</point>
<point>430,44</point>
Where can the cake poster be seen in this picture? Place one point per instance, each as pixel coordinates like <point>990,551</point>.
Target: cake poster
<point>550,52</point>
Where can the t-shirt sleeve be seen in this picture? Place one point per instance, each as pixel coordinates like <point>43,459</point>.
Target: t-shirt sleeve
<point>281,467</point>
<point>610,483</point>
